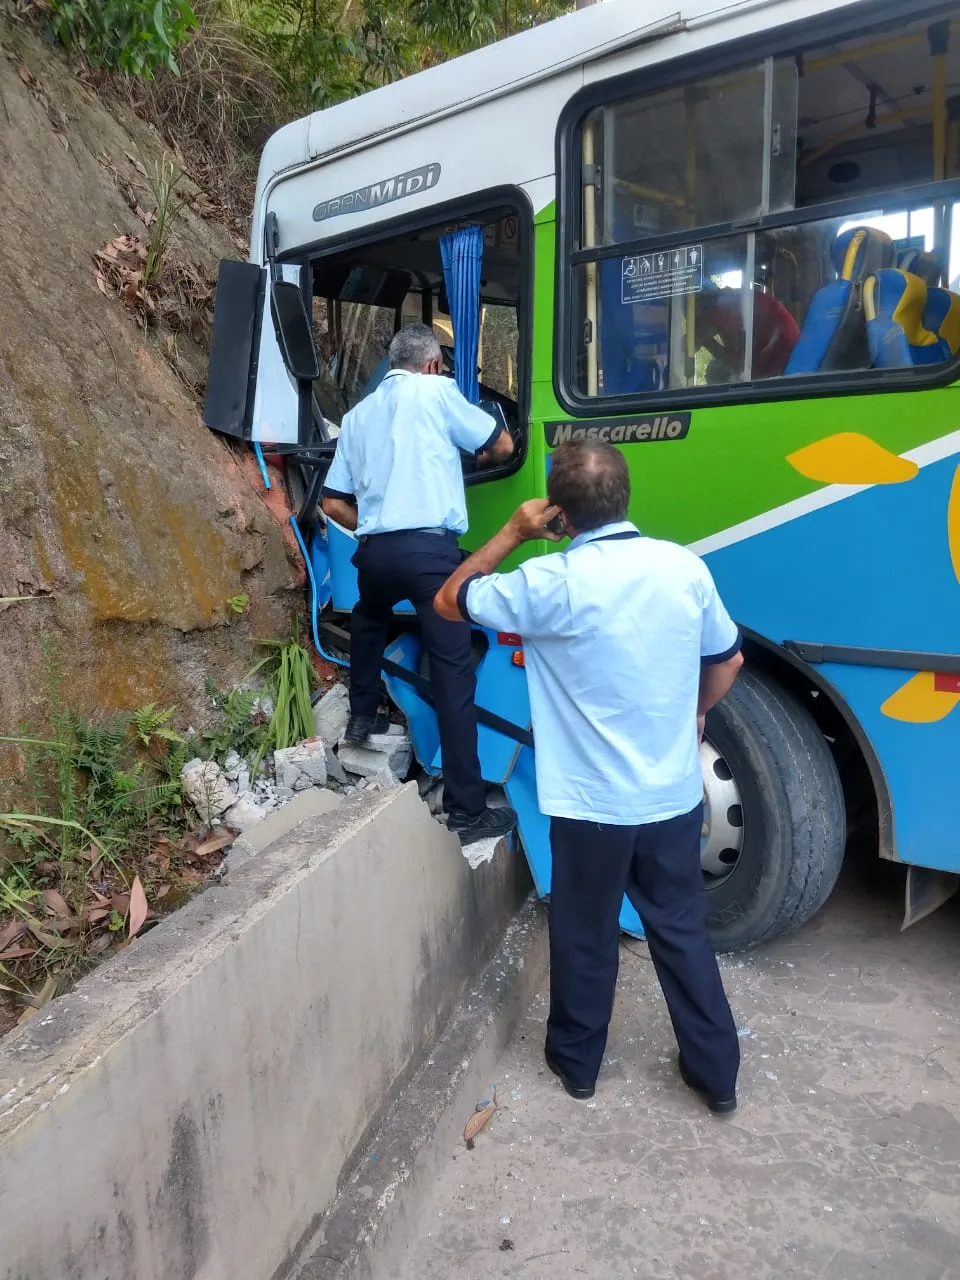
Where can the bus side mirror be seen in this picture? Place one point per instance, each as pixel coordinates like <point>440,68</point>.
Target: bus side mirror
<point>294,331</point>
<point>228,407</point>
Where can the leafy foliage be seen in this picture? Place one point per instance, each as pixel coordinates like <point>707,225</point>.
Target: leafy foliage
<point>136,37</point>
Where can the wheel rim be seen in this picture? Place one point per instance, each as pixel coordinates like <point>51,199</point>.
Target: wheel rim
<point>721,839</point>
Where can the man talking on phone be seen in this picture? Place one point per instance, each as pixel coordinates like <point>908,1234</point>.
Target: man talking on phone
<point>397,479</point>
<point>627,647</point>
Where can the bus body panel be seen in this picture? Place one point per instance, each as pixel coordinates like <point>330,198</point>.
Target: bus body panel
<point>797,555</point>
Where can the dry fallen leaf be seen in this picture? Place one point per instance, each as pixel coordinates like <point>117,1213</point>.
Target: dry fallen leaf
<point>11,932</point>
<point>52,940</point>
<point>17,953</point>
<point>213,845</point>
<point>138,908</point>
<point>479,1121</point>
<point>55,903</point>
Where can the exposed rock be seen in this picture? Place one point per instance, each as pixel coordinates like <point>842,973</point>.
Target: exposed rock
<point>331,714</point>
<point>207,789</point>
<point>130,523</point>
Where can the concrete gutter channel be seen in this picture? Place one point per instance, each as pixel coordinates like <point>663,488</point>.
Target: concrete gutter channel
<point>259,1088</point>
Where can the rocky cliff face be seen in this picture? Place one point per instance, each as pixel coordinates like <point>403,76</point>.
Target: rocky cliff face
<point>128,524</point>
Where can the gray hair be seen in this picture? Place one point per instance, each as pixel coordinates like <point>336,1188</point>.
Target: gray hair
<point>413,347</point>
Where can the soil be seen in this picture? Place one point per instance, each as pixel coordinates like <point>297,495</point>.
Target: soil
<point>128,524</point>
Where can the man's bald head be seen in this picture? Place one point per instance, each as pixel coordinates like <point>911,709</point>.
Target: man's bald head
<point>589,481</point>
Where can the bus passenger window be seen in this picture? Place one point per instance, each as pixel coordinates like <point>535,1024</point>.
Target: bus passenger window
<point>704,251</point>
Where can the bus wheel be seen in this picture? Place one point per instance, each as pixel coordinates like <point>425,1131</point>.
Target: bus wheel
<point>774,822</point>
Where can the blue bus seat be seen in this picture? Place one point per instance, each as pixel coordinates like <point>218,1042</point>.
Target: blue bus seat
<point>341,548</point>
<point>833,335</point>
<point>941,315</point>
<point>894,303</point>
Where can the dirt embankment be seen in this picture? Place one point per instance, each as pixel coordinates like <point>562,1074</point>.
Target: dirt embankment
<point>130,523</point>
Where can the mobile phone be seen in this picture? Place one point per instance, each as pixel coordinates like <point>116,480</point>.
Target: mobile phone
<point>556,525</point>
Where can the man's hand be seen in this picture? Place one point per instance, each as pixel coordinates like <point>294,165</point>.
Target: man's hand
<point>345,513</point>
<point>701,727</point>
<point>501,449</point>
<point>529,521</point>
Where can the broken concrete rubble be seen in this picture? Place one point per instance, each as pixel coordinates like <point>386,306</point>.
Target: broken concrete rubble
<point>331,714</point>
<point>381,753</point>
<point>302,766</point>
<point>207,788</point>
<point>245,813</point>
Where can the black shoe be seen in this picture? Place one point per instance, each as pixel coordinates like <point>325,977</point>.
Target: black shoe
<point>359,728</point>
<point>489,825</point>
<point>719,1106</point>
<point>579,1091</point>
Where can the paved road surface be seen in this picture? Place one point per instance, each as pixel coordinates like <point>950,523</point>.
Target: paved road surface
<point>843,1161</point>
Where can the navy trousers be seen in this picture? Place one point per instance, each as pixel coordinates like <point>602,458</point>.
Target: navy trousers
<point>658,867</point>
<point>414,566</point>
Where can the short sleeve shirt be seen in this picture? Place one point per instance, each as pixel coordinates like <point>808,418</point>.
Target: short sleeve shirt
<point>615,630</point>
<point>398,454</point>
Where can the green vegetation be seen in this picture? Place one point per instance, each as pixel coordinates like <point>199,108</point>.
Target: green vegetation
<point>136,37</point>
<point>218,77</point>
<point>101,842</point>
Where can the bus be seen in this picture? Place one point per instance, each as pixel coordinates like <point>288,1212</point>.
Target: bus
<point>724,237</point>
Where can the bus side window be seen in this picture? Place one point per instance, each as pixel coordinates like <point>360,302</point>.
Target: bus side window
<point>733,268</point>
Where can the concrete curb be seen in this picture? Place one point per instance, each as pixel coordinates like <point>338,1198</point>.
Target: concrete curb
<point>194,1106</point>
<point>375,1215</point>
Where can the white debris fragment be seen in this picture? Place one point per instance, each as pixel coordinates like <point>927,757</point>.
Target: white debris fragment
<point>206,787</point>
<point>245,813</point>
<point>480,851</point>
<point>331,714</point>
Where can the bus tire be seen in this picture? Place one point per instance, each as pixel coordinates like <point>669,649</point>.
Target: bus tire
<point>791,812</point>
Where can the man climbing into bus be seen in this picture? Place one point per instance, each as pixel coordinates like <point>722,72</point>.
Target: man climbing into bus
<point>397,479</point>
<point>627,646</point>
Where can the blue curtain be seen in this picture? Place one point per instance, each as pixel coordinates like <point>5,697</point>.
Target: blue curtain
<point>462,255</point>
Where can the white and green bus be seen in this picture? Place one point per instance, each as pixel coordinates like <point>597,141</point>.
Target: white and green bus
<point>724,237</point>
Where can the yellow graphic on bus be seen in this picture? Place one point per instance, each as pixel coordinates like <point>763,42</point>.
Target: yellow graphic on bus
<point>919,701</point>
<point>851,458</point>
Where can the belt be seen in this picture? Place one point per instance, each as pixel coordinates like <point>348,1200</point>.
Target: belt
<point>400,533</point>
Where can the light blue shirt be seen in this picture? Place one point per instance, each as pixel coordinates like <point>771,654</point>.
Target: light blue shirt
<point>398,454</point>
<point>614,632</point>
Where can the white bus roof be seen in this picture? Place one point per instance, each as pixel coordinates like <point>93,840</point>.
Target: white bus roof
<point>506,66</point>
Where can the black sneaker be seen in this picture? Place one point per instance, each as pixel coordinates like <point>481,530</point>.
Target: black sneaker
<point>720,1106</point>
<point>488,825</point>
<point>359,728</point>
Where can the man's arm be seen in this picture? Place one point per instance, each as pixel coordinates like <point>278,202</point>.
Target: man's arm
<point>527,522</point>
<point>716,681</point>
<point>339,509</point>
<point>471,428</point>
<point>337,496</point>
